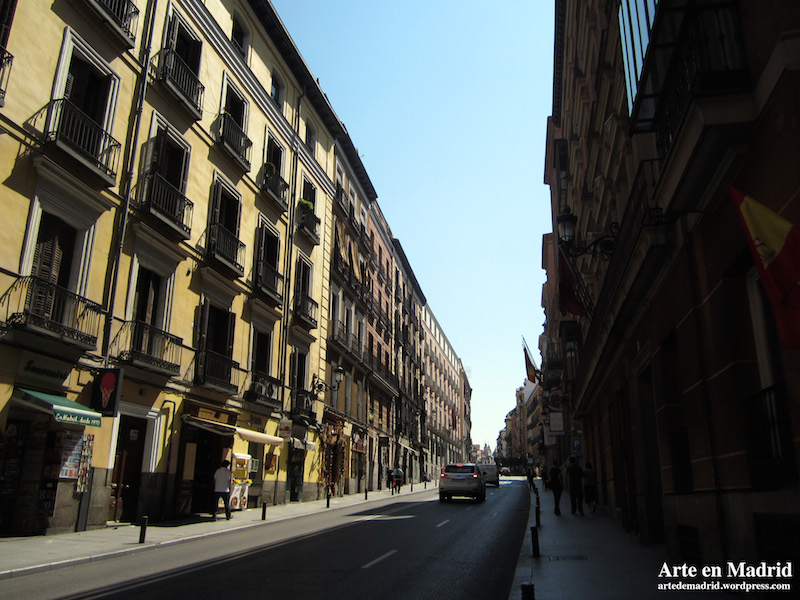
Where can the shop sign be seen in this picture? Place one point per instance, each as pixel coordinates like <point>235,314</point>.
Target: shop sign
<point>106,391</point>
<point>285,429</point>
<point>41,369</point>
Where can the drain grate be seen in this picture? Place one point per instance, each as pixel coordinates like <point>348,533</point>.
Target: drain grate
<point>568,557</point>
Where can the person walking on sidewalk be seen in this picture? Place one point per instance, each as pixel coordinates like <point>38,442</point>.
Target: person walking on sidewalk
<point>556,485</point>
<point>575,478</point>
<point>590,486</point>
<point>222,488</point>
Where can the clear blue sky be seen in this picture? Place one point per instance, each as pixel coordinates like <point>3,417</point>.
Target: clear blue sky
<point>447,102</point>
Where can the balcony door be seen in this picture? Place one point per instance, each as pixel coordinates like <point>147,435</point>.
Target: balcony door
<point>52,261</point>
<point>147,305</point>
<point>87,89</point>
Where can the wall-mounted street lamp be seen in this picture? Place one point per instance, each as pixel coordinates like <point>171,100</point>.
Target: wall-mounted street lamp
<point>318,385</point>
<point>604,245</point>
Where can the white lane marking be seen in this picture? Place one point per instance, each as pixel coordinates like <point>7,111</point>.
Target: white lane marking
<point>379,559</point>
<point>445,522</point>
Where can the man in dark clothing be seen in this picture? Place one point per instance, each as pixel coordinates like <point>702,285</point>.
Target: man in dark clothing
<point>556,485</point>
<point>575,478</point>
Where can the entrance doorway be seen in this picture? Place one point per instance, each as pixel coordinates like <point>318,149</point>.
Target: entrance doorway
<point>297,459</point>
<point>126,477</point>
<point>210,450</point>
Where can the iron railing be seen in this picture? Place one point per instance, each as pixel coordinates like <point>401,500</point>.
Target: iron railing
<point>71,126</point>
<point>308,222</point>
<point>165,199</point>
<point>142,343</point>
<point>226,246</point>
<point>218,370</point>
<point>265,389</point>
<point>35,304</point>
<point>175,71</point>
<point>123,12</point>
<point>276,186</point>
<point>306,308</point>
<point>234,139</point>
<point>5,73</point>
<point>772,461</point>
<point>269,280</point>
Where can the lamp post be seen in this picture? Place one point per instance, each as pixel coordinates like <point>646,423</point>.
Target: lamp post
<point>317,387</point>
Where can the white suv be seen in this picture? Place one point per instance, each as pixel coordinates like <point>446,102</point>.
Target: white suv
<point>462,479</point>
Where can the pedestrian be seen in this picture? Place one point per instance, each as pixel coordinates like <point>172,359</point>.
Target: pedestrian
<point>556,485</point>
<point>222,488</point>
<point>575,479</point>
<point>530,478</point>
<point>590,486</point>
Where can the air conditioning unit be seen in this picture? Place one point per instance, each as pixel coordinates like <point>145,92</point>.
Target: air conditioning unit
<point>267,389</point>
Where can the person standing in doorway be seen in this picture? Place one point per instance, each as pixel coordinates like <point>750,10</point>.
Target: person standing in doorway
<point>556,485</point>
<point>575,478</point>
<point>222,488</point>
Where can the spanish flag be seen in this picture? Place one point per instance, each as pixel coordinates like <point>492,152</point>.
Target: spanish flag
<point>530,367</point>
<point>775,244</point>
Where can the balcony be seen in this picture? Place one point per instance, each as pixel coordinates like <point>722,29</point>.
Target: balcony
<point>308,222</point>
<point>233,139</point>
<point>265,390</point>
<point>167,203</point>
<point>383,373</point>
<point>348,342</point>
<point>5,72</point>
<point>305,310</point>
<point>275,187</point>
<point>269,281</point>
<point>122,17</point>
<point>145,346</point>
<point>217,371</point>
<point>77,134</point>
<point>37,306</point>
<point>303,406</point>
<point>182,81</point>
<point>226,248</point>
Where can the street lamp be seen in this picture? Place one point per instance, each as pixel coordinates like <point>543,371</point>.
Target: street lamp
<point>318,385</point>
<point>604,245</point>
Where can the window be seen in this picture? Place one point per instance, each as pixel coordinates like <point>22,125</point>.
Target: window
<point>215,346</point>
<point>167,172</point>
<point>223,227</point>
<point>180,64</point>
<point>299,369</point>
<point>267,255</point>
<point>240,37</point>
<point>7,9</point>
<point>274,184</point>
<point>262,352</point>
<point>309,194</point>
<point>277,92</point>
<point>84,101</point>
<point>233,125</point>
<point>311,138</point>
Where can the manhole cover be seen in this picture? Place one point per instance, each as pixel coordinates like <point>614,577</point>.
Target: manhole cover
<point>569,557</point>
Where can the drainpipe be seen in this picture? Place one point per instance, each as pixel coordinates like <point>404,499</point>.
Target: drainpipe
<point>116,254</point>
<point>287,254</point>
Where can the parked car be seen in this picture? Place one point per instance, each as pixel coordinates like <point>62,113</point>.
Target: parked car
<point>489,472</point>
<point>462,479</point>
<point>505,471</point>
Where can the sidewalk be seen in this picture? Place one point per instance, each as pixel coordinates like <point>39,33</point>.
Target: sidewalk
<point>588,557</point>
<point>27,555</point>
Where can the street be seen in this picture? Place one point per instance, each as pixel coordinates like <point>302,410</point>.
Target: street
<point>398,548</point>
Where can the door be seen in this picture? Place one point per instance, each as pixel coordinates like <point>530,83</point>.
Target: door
<point>127,474</point>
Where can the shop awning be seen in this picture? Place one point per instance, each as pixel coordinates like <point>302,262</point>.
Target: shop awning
<point>212,426</point>
<point>298,444</point>
<point>259,438</point>
<point>62,408</point>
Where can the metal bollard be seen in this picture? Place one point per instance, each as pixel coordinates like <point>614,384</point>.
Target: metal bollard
<point>143,530</point>
<point>535,541</point>
<point>538,515</point>
<point>263,511</point>
<point>528,593</point>
<point>366,493</point>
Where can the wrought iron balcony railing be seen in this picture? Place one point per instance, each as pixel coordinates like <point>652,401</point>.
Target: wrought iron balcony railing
<point>36,305</point>
<point>217,371</point>
<point>306,308</point>
<point>123,14</point>
<point>5,72</point>
<point>142,344</point>
<point>269,280</point>
<point>265,389</point>
<point>166,201</point>
<point>274,185</point>
<point>303,403</point>
<point>233,138</point>
<point>90,143</point>
<point>225,246</point>
<point>182,79</point>
<point>308,222</point>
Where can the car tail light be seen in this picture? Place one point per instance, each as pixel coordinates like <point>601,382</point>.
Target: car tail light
<point>442,471</point>
<point>474,475</point>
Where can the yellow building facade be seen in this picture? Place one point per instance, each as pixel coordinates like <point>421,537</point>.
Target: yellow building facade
<point>189,260</point>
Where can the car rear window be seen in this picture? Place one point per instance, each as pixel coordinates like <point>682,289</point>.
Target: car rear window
<point>459,469</point>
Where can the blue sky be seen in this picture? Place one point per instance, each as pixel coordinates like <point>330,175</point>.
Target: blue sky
<point>447,102</point>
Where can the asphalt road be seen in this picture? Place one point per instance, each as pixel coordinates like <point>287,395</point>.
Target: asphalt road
<point>416,548</point>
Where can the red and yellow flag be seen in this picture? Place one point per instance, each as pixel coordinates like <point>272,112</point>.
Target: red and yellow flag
<point>775,244</point>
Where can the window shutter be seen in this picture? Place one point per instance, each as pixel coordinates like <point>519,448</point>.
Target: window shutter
<point>231,330</point>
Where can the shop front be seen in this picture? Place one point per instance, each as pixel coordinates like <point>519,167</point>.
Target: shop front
<point>46,452</point>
